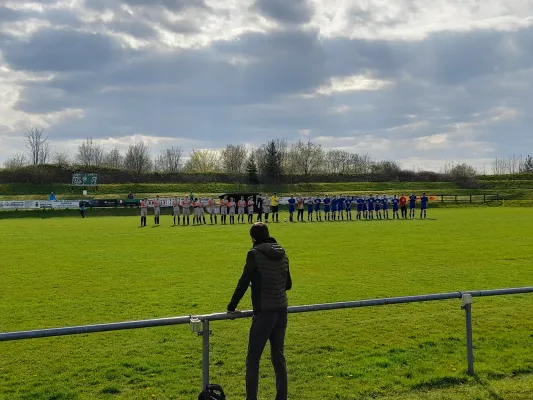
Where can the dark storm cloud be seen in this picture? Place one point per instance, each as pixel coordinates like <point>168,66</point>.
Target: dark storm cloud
<point>286,11</point>
<point>61,51</point>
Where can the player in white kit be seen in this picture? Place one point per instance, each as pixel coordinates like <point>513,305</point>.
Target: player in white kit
<point>176,210</point>
<point>240,210</point>
<point>211,210</point>
<point>202,210</point>
<point>250,205</point>
<point>266,206</point>
<point>157,210</point>
<point>223,209</point>
<point>185,205</point>
<point>231,206</point>
<point>144,211</point>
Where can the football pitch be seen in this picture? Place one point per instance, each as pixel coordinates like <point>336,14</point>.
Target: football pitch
<point>71,271</point>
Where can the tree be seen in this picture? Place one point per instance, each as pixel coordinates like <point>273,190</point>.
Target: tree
<point>203,162</point>
<point>462,171</point>
<point>234,158</point>
<point>114,159</point>
<point>528,164</point>
<point>37,145</point>
<point>61,159</point>
<point>137,158</point>
<point>271,157</point>
<point>251,169</point>
<point>387,169</point>
<point>90,154</point>
<point>337,162</point>
<point>16,161</point>
<point>499,166</point>
<point>169,161</point>
<point>307,157</point>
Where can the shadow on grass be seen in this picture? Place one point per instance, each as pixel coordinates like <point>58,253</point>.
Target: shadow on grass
<point>485,385</point>
<point>441,383</point>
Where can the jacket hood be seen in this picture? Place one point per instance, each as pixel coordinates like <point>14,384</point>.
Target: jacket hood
<point>271,249</point>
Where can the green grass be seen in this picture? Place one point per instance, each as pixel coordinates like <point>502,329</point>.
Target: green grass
<point>218,188</point>
<point>69,271</point>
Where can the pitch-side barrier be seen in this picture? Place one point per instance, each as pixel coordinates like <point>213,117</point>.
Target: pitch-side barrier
<point>200,324</point>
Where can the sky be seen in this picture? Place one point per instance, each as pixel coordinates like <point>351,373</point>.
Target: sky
<point>417,81</point>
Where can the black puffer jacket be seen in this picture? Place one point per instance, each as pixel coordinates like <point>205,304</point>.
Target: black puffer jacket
<point>267,270</point>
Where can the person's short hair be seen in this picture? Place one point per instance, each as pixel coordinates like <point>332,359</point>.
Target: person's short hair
<point>259,231</point>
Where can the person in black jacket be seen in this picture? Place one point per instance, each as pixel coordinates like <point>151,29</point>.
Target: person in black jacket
<point>267,272</point>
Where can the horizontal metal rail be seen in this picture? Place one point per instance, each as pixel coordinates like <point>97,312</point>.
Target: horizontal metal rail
<point>150,323</point>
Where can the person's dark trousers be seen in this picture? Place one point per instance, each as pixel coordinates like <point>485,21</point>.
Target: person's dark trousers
<point>267,326</point>
<point>260,217</point>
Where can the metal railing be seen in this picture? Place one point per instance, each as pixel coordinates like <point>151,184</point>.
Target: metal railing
<point>201,324</point>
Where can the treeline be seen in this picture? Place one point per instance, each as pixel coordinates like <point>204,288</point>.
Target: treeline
<point>276,161</point>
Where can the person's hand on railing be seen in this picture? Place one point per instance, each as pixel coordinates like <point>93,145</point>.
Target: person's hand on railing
<point>233,314</point>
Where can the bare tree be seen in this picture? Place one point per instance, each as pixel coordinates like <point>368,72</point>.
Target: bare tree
<point>499,166</point>
<point>16,161</point>
<point>234,159</point>
<point>169,161</point>
<point>307,157</point>
<point>90,154</point>
<point>138,159</point>
<point>61,159</point>
<point>114,159</point>
<point>337,162</point>
<point>203,162</point>
<point>37,145</point>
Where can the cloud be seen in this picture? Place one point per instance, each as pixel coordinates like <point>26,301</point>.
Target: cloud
<point>405,80</point>
<point>294,11</point>
<point>61,51</point>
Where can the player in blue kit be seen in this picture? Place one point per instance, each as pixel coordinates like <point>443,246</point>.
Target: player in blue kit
<point>327,207</point>
<point>424,201</point>
<point>340,206</point>
<point>359,201</point>
<point>334,205</point>
<point>377,207</point>
<point>395,207</point>
<point>370,202</point>
<point>292,205</point>
<point>365,207</point>
<point>348,204</point>
<point>385,206</point>
<point>309,202</point>
<point>412,205</point>
<point>318,211</point>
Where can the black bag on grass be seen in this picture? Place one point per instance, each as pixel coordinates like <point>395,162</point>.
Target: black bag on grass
<point>212,392</point>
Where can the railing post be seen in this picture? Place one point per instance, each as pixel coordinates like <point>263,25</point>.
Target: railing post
<point>467,306</point>
<point>205,353</point>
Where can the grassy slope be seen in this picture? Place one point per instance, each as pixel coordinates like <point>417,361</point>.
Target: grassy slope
<point>67,271</point>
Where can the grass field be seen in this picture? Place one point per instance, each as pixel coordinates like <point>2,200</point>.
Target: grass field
<point>69,271</point>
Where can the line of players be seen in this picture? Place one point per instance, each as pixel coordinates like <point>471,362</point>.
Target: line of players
<point>367,207</point>
<point>334,208</point>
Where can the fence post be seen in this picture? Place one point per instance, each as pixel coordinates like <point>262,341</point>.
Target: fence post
<point>205,353</point>
<point>470,198</point>
<point>467,306</point>
<point>442,198</point>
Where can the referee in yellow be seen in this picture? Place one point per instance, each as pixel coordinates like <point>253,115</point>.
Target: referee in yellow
<point>274,202</point>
